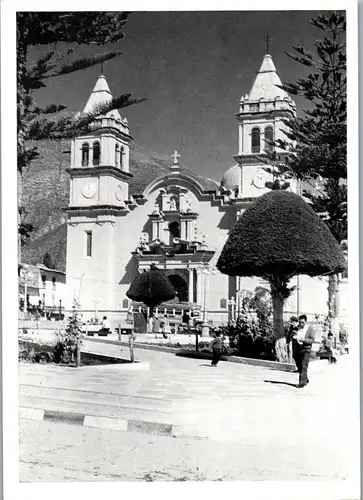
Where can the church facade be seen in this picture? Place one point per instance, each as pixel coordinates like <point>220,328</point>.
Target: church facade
<point>176,223</point>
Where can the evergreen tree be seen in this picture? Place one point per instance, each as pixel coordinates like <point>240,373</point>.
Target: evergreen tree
<point>73,331</point>
<point>48,261</point>
<point>48,30</point>
<point>317,141</point>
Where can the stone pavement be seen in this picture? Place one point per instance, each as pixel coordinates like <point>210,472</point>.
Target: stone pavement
<point>237,405</point>
<point>61,452</point>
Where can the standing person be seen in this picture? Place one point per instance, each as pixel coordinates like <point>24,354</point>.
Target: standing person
<point>290,341</point>
<point>156,325</point>
<point>105,327</point>
<point>329,347</point>
<point>304,337</point>
<point>216,346</point>
<point>166,327</point>
<point>150,324</point>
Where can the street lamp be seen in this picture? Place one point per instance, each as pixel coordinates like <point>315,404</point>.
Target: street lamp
<point>95,303</point>
<point>232,309</point>
<point>26,275</point>
<point>206,270</point>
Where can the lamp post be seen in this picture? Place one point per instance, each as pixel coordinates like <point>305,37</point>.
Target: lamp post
<point>206,270</point>
<point>95,303</point>
<point>26,275</point>
<point>232,309</point>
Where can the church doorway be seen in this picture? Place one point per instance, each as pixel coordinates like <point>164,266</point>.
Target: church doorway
<point>180,286</point>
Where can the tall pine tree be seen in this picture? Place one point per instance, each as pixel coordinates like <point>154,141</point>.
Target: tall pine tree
<point>49,30</point>
<point>317,141</point>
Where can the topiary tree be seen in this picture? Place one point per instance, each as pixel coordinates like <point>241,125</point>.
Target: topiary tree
<point>276,238</point>
<point>151,287</point>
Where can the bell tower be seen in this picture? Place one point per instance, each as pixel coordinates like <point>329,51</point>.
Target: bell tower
<point>260,123</point>
<point>100,160</point>
<point>99,193</point>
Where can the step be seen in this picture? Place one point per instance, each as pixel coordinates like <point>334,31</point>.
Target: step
<point>95,410</point>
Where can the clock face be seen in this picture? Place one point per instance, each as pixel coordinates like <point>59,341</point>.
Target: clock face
<point>119,193</point>
<point>89,190</point>
<point>259,179</point>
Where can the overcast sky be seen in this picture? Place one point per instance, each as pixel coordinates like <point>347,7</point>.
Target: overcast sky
<point>193,68</point>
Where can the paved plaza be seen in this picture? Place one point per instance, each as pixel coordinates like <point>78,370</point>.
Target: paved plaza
<point>233,422</point>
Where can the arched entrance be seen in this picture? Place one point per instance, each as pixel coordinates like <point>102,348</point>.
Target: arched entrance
<point>180,286</point>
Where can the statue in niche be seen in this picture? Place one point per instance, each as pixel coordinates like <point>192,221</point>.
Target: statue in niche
<point>172,204</point>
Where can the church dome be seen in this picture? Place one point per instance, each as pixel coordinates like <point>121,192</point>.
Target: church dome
<point>232,178</point>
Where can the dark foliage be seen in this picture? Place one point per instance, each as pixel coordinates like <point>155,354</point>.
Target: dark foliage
<point>319,138</point>
<point>152,288</point>
<point>35,353</point>
<point>280,235</point>
<point>48,261</point>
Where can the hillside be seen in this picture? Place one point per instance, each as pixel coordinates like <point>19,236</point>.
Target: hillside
<point>46,194</point>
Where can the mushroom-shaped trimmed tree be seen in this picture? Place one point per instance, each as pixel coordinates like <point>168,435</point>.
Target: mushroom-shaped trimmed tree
<point>151,287</point>
<point>280,236</point>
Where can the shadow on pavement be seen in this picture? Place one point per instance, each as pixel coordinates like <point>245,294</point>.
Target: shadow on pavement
<point>279,382</point>
<point>204,364</point>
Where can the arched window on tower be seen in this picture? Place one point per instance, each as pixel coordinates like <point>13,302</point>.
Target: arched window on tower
<point>85,154</point>
<point>269,139</point>
<point>117,155</point>
<point>122,154</point>
<point>96,153</point>
<point>255,140</point>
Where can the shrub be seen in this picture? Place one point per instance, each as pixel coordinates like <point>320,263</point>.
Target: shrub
<point>35,353</point>
<point>343,334</point>
<point>64,351</point>
<point>251,338</point>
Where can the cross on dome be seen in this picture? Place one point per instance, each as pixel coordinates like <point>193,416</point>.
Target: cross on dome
<point>175,157</point>
<point>268,40</point>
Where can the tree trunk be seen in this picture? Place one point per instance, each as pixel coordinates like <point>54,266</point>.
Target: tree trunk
<point>334,305</point>
<point>131,345</point>
<point>277,285</point>
<point>78,353</point>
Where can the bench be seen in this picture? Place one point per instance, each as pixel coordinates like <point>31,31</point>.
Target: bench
<point>324,355</point>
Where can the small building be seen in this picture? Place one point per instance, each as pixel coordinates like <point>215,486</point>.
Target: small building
<point>43,288</point>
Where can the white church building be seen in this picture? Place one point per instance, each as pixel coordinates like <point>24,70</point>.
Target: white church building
<point>175,223</point>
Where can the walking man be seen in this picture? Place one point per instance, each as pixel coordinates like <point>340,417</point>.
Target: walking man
<point>303,340</point>
<point>216,346</point>
<point>294,324</point>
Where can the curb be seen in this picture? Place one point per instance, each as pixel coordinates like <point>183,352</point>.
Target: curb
<point>137,345</point>
<point>110,423</point>
<point>274,365</point>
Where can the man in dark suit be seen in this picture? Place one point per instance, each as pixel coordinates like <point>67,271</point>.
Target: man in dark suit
<point>303,340</point>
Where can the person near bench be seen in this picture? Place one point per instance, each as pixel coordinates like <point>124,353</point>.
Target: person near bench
<point>329,348</point>
<point>105,327</point>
